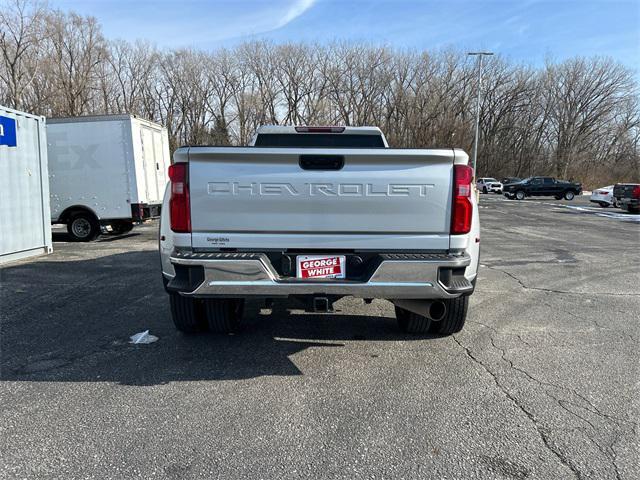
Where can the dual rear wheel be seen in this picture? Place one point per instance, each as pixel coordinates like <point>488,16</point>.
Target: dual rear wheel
<point>192,315</point>
<point>452,322</point>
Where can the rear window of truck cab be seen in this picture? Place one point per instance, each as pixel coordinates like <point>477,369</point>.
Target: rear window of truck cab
<point>318,140</point>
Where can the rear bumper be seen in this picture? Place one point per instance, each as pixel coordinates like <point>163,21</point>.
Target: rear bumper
<point>397,276</point>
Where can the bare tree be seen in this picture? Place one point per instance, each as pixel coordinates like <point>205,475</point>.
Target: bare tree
<point>580,117</point>
<point>21,33</point>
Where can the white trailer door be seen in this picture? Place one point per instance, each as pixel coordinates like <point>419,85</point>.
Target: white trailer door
<point>161,153</point>
<point>148,163</point>
<point>154,163</point>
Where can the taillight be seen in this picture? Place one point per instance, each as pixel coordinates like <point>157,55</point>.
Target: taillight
<point>635,192</point>
<point>462,206</point>
<point>179,202</point>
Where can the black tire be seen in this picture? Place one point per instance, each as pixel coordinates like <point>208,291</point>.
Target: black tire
<point>484,190</point>
<point>186,313</point>
<point>603,204</point>
<point>83,227</point>
<point>410,322</point>
<point>520,195</point>
<point>455,317</point>
<point>223,315</point>
<point>569,195</point>
<point>122,227</point>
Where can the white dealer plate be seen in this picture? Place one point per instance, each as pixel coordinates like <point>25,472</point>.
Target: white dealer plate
<point>321,266</point>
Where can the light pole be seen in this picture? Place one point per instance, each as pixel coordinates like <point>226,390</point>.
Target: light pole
<point>475,139</point>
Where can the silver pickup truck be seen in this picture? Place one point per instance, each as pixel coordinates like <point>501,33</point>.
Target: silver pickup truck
<point>315,214</point>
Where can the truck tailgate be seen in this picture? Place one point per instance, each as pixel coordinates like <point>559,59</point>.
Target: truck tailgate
<point>263,198</point>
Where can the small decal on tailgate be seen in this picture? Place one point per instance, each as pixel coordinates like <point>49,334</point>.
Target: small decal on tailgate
<point>218,240</point>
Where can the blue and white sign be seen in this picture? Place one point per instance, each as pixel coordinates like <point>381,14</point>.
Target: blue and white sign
<point>8,131</point>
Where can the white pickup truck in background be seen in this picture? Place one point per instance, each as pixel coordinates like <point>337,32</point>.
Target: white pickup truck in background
<point>318,213</point>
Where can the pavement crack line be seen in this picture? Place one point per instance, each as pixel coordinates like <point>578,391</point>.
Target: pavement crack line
<point>542,433</point>
<point>607,451</point>
<point>594,410</point>
<point>516,335</point>
<point>551,290</point>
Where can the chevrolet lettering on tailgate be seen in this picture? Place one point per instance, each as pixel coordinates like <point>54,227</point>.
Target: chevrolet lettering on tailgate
<point>317,189</point>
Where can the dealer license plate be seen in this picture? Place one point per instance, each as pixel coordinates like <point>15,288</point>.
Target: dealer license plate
<point>321,266</point>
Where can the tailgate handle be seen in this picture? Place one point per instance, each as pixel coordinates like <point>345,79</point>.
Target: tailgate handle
<point>321,162</point>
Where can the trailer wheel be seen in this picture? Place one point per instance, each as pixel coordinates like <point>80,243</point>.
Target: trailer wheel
<point>224,315</point>
<point>83,227</point>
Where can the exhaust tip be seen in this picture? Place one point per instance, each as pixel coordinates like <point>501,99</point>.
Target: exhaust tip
<point>437,310</point>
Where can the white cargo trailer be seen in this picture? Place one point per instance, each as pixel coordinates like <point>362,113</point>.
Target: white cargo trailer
<point>25,229</point>
<point>106,172</point>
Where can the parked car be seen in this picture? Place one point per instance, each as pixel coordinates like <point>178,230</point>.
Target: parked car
<point>337,213</point>
<point>506,180</point>
<point>604,197</point>
<point>542,187</point>
<point>105,172</point>
<point>488,184</point>
<point>628,196</point>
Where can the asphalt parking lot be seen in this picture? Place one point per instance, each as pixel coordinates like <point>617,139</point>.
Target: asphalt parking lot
<point>541,383</point>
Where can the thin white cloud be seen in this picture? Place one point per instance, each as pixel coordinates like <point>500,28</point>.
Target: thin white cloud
<point>294,11</point>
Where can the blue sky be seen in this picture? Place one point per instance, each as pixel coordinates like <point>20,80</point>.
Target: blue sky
<point>526,31</point>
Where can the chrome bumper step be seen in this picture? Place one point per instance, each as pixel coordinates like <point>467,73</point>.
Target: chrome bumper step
<point>398,276</point>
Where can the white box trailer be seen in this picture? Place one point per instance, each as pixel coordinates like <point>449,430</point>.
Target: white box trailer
<point>25,229</point>
<point>106,172</point>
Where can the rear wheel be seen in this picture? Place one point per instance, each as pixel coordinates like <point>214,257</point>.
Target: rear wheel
<point>455,317</point>
<point>186,313</point>
<point>520,195</point>
<point>484,190</point>
<point>569,195</point>
<point>83,227</point>
<point>224,315</point>
<point>410,322</point>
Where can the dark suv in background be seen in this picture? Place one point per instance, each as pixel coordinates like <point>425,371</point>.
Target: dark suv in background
<point>542,187</point>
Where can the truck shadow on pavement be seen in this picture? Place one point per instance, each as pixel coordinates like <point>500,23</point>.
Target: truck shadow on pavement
<point>66,320</point>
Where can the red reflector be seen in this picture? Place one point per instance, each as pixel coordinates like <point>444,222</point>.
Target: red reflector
<point>462,212</point>
<point>319,129</point>
<point>179,210</point>
<point>636,192</point>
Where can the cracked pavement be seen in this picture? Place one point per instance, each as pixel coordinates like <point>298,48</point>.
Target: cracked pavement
<point>543,382</point>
